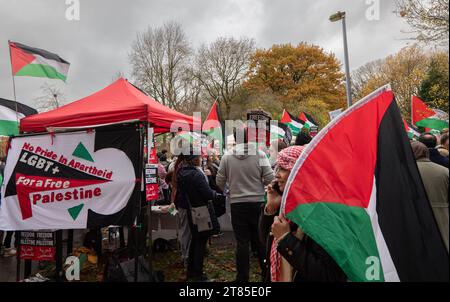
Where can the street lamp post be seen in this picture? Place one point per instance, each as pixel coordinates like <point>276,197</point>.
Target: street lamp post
<point>333,18</point>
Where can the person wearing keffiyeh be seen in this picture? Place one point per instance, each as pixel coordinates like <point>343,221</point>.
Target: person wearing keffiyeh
<point>291,255</point>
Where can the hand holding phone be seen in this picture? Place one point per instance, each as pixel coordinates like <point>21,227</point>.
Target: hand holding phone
<point>276,187</point>
<point>273,198</point>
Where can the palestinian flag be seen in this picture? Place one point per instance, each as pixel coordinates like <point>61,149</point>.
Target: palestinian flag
<point>357,192</point>
<point>426,117</point>
<point>8,117</point>
<point>280,131</point>
<point>212,126</point>
<point>292,122</point>
<point>308,121</point>
<point>35,62</point>
<point>191,137</point>
<point>412,133</point>
<point>197,140</point>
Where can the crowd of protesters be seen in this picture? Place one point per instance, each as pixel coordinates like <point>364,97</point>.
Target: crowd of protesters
<point>253,181</point>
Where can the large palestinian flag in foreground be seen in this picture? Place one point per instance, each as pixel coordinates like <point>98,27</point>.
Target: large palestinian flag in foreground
<point>9,118</point>
<point>35,62</point>
<point>357,192</point>
<point>426,117</point>
<point>292,122</point>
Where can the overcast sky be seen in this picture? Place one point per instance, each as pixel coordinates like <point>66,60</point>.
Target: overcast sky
<point>97,45</point>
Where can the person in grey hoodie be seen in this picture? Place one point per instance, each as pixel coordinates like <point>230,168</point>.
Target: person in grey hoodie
<point>246,171</point>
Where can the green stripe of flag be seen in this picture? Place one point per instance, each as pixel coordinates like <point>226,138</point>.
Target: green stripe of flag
<point>432,123</point>
<point>295,130</point>
<point>216,133</point>
<point>334,226</point>
<point>8,128</point>
<point>38,70</point>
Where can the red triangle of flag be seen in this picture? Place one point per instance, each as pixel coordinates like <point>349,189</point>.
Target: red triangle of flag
<point>420,110</point>
<point>19,58</point>
<point>285,118</point>
<point>213,113</point>
<point>303,117</point>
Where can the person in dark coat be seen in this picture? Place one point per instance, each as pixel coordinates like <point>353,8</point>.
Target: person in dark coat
<point>211,173</point>
<point>303,138</point>
<point>435,180</point>
<point>193,190</point>
<point>430,141</point>
<point>294,256</point>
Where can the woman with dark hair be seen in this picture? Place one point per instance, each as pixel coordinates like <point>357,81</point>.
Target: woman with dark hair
<point>182,208</point>
<point>192,190</point>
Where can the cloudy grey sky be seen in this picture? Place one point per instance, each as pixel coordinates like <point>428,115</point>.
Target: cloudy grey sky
<point>97,45</point>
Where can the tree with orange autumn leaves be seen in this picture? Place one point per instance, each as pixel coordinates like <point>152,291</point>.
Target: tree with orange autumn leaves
<point>300,78</point>
<point>407,71</point>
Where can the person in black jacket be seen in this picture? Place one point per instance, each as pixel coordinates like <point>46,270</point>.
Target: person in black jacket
<point>301,259</point>
<point>193,189</point>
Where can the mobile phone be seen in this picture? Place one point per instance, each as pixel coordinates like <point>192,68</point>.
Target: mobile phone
<point>276,187</point>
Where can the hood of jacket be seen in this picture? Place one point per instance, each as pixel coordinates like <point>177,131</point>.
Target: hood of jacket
<point>242,151</point>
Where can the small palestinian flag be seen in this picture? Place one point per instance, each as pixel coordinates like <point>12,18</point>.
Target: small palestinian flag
<point>292,122</point>
<point>357,192</point>
<point>412,133</point>
<point>280,131</point>
<point>213,125</point>
<point>197,140</point>
<point>191,137</point>
<point>35,62</point>
<point>8,117</point>
<point>426,117</point>
<point>308,121</point>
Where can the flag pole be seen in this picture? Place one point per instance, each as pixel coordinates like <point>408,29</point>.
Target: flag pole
<point>14,83</point>
<point>412,123</point>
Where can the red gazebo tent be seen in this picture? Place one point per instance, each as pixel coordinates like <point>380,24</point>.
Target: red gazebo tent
<point>116,103</point>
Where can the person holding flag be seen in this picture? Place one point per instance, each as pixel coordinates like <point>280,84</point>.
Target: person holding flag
<point>356,191</point>
<point>290,254</point>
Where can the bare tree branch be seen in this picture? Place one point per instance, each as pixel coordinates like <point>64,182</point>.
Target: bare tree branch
<point>51,98</point>
<point>161,59</point>
<point>221,67</point>
<point>428,18</point>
